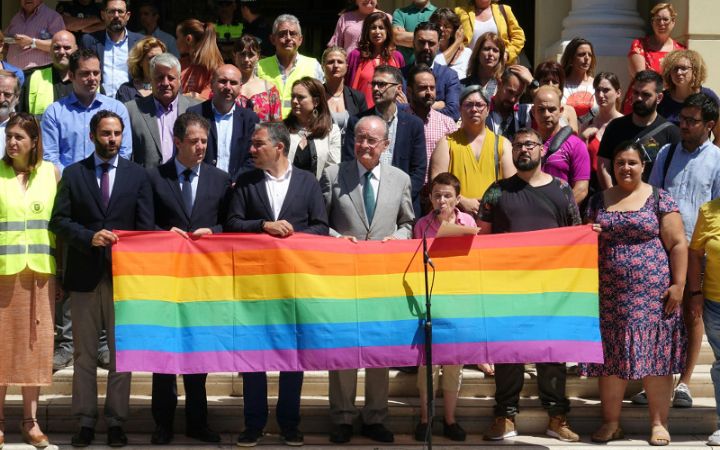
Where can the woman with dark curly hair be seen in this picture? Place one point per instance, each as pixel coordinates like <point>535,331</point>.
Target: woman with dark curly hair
<point>375,48</point>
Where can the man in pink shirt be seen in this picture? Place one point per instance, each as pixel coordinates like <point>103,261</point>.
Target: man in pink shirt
<point>32,27</point>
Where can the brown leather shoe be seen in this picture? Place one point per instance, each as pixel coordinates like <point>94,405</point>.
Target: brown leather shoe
<point>36,441</point>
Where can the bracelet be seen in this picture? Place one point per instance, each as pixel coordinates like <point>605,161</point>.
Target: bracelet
<point>695,293</point>
<point>33,44</point>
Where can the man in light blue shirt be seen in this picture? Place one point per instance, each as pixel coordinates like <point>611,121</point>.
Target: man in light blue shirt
<point>690,172</point>
<point>66,123</point>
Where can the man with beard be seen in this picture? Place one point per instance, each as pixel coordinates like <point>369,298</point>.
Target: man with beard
<point>406,146</point>
<point>426,43</point>
<point>103,192</point>
<point>405,21</point>
<point>507,115</point>
<point>47,84</point>
<point>566,156</point>
<point>231,126</point>
<point>9,92</point>
<point>113,44</point>
<point>644,126</point>
<point>690,172</point>
<point>527,201</point>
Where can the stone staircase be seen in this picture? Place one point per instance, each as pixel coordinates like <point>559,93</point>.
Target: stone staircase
<point>474,409</point>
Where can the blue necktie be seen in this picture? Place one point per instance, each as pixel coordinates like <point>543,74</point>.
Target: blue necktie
<point>187,191</point>
<point>369,197</point>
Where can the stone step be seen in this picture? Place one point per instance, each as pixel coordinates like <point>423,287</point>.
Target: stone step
<point>474,385</point>
<point>475,415</point>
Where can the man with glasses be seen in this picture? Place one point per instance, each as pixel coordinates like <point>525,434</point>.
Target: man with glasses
<point>113,44</point>
<point>366,200</point>
<point>644,126</point>
<point>690,172</point>
<point>287,65</point>
<point>406,136</point>
<point>527,201</point>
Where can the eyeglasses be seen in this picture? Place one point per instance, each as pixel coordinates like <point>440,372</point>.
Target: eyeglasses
<point>662,19</point>
<point>681,68</point>
<point>472,105</point>
<point>381,84</point>
<point>527,145</point>
<point>369,140</point>
<point>287,33</point>
<point>7,94</point>
<point>689,120</point>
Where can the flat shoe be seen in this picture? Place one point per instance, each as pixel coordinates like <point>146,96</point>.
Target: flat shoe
<point>659,436</point>
<point>603,434</point>
<point>41,441</point>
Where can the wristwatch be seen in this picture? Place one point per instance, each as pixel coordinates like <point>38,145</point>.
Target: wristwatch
<point>33,44</point>
<point>534,84</point>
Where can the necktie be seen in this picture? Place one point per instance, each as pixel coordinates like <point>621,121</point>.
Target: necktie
<point>369,197</point>
<point>105,184</point>
<point>187,191</point>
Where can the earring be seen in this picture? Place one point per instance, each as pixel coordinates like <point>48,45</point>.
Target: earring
<point>315,113</point>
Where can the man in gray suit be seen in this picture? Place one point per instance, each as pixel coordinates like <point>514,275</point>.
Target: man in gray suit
<point>365,200</point>
<point>152,118</point>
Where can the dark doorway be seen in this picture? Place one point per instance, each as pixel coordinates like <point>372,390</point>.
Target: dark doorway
<point>524,11</point>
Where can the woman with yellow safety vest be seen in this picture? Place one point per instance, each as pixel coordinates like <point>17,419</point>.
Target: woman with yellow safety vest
<point>27,269</point>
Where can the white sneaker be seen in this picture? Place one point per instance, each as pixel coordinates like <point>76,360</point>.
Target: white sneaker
<point>714,438</point>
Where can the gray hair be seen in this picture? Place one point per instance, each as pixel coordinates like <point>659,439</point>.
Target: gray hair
<point>12,76</point>
<point>166,60</point>
<point>286,18</point>
<point>373,118</point>
<point>277,132</point>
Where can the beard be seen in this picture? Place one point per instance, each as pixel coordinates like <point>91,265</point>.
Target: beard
<point>116,26</point>
<point>104,151</point>
<point>6,108</point>
<point>526,165</point>
<point>642,110</point>
<point>425,57</point>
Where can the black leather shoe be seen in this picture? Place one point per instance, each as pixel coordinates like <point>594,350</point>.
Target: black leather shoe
<point>377,432</point>
<point>341,434</point>
<point>203,434</point>
<point>453,431</point>
<point>293,437</point>
<point>421,432</point>
<point>116,437</point>
<point>162,435</point>
<point>83,438</point>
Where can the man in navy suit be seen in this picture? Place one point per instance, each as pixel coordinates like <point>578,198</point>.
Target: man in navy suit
<point>113,44</point>
<point>406,148</point>
<point>230,125</point>
<point>426,43</point>
<point>190,198</point>
<point>278,200</point>
<point>100,193</point>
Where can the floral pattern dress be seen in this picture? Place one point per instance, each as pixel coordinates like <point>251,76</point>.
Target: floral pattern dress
<point>639,339</point>
<point>265,104</point>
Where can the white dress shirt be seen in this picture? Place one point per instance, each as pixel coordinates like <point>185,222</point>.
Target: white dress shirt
<point>277,189</point>
<point>374,180</point>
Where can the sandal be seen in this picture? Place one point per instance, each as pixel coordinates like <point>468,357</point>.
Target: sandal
<point>659,436</point>
<point>606,433</point>
<point>39,441</point>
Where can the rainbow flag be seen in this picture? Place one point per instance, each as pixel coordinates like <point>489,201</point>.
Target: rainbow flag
<point>244,302</point>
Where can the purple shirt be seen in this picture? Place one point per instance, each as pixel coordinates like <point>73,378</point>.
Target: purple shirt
<point>166,121</point>
<point>571,162</point>
<point>461,218</point>
<point>41,24</point>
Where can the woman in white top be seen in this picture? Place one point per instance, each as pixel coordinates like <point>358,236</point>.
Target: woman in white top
<point>314,138</point>
<point>578,62</point>
<point>453,52</point>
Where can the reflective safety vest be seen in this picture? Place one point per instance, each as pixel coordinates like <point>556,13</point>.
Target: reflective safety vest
<point>228,32</point>
<point>269,69</point>
<point>41,92</point>
<point>25,240</point>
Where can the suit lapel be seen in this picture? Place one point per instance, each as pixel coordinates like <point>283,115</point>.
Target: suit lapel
<point>384,192</point>
<point>91,181</point>
<point>293,186</point>
<point>169,173</point>
<point>263,194</point>
<point>351,183</point>
<point>147,108</point>
<point>235,148</point>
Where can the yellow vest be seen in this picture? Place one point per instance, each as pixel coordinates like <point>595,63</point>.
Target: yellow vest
<point>40,91</point>
<point>268,69</point>
<point>228,32</point>
<point>25,240</point>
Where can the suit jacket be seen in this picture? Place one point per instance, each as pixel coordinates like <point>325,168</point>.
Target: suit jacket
<point>409,154</point>
<point>447,88</point>
<point>211,197</point>
<point>96,41</point>
<point>303,207</point>
<point>346,209</point>
<point>244,121</point>
<point>78,214</point>
<point>355,102</point>
<point>327,149</point>
<point>147,149</point>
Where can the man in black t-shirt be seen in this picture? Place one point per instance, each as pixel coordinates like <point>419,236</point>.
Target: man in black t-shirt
<point>529,200</point>
<point>646,94</point>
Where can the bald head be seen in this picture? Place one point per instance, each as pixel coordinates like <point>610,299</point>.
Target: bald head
<point>371,139</point>
<point>62,45</point>
<point>547,110</point>
<point>226,83</point>
<point>548,93</point>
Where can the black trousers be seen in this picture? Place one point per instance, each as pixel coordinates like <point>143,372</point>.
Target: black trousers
<point>509,380</point>
<point>164,399</point>
<point>256,404</point>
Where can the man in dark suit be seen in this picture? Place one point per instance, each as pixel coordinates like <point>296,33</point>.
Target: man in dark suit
<point>406,147</point>
<point>230,126</point>
<point>113,44</point>
<point>100,193</point>
<point>153,117</point>
<point>190,198</point>
<point>278,200</point>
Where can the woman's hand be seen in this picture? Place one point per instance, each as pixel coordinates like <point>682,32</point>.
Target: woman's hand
<point>673,298</point>
<point>597,228</point>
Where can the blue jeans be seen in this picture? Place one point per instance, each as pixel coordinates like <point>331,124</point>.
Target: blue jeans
<point>711,317</point>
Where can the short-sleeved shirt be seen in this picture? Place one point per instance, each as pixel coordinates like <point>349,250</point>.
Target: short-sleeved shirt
<point>670,108</point>
<point>623,129</point>
<point>571,162</point>
<point>706,237</point>
<point>512,205</point>
<point>409,18</point>
<point>41,24</point>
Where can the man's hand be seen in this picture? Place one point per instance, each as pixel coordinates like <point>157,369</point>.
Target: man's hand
<point>200,232</point>
<point>179,231</point>
<point>279,228</point>
<point>352,239</point>
<point>388,238</point>
<point>23,41</point>
<point>103,238</point>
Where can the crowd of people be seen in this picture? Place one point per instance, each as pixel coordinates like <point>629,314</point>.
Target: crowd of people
<point>409,120</point>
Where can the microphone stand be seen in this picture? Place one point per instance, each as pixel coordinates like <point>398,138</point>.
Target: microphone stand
<point>427,262</point>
